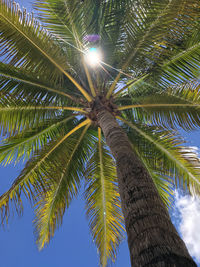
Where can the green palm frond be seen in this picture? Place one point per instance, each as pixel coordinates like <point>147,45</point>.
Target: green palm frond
<point>26,143</point>
<point>41,52</point>
<point>154,25</point>
<point>136,88</point>
<point>153,34</point>
<point>17,114</point>
<point>102,202</point>
<point>16,119</point>
<point>72,21</point>
<point>184,65</point>
<point>177,106</point>
<point>181,67</point>
<point>31,85</point>
<point>68,26</point>
<point>35,178</point>
<point>66,20</point>
<point>131,84</point>
<point>165,153</point>
<point>19,111</point>
<point>164,186</point>
<point>67,170</point>
<point>57,16</point>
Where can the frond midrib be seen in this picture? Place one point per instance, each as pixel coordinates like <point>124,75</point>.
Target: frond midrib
<point>103,194</point>
<point>24,108</point>
<point>158,105</point>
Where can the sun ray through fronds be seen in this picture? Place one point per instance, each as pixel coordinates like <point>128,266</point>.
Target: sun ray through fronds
<point>130,83</point>
<point>91,85</point>
<point>79,47</point>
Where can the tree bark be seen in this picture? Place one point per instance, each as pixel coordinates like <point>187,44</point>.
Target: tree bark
<point>152,238</point>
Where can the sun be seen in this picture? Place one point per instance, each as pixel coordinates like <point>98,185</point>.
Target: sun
<point>93,57</point>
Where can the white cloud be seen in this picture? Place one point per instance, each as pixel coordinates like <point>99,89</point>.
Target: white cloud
<point>189,227</point>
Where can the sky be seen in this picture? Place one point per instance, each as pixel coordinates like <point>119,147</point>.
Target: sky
<point>72,244</point>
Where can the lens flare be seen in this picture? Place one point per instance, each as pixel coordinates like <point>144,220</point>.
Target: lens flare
<point>93,56</point>
<point>92,38</point>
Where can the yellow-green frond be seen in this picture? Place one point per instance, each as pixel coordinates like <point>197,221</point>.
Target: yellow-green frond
<point>41,52</point>
<point>32,181</point>
<point>177,106</point>
<point>67,169</point>
<point>24,144</point>
<point>153,34</point>
<point>31,85</point>
<point>102,202</point>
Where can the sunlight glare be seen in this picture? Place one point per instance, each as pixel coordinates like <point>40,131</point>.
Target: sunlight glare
<point>93,57</point>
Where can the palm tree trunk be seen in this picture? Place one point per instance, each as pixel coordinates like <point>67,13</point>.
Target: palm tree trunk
<point>152,238</point>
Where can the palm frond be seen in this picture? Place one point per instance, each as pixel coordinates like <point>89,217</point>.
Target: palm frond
<point>20,30</point>
<point>156,36</point>
<point>30,85</point>
<point>59,18</point>
<point>181,68</point>
<point>27,142</point>
<point>71,22</point>
<point>67,170</point>
<point>165,152</point>
<point>130,84</point>
<point>62,18</point>
<point>32,181</point>
<point>16,115</point>
<point>183,65</point>
<point>177,106</point>
<point>102,202</point>
<point>40,50</point>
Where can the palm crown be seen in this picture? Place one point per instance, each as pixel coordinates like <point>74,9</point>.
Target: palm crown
<point>148,80</point>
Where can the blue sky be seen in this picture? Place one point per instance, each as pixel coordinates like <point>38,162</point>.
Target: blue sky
<point>72,245</point>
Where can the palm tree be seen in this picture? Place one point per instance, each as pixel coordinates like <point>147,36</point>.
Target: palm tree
<point>114,125</point>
